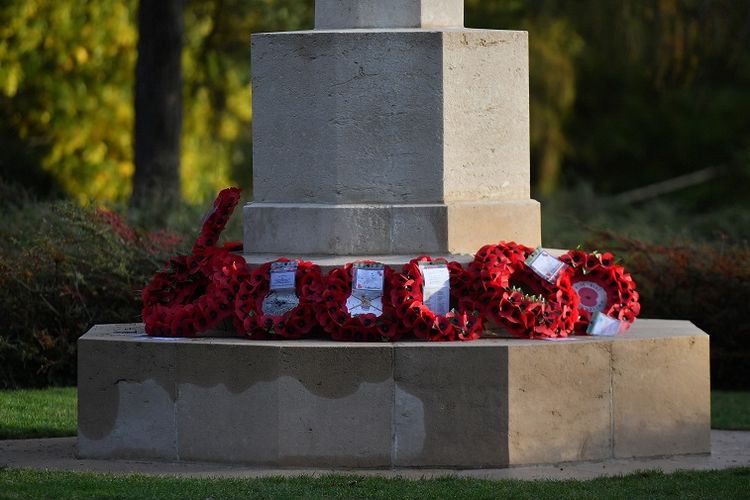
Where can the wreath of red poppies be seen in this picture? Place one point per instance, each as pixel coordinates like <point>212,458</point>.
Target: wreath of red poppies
<point>602,286</point>
<point>194,293</point>
<point>335,319</point>
<point>463,322</point>
<point>515,297</point>
<point>217,218</point>
<point>294,324</point>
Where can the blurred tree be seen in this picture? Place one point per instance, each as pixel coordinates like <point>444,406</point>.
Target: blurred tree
<point>66,90</point>
<point>158,104</point>
<point>67,86</point>
<point>622,93</point>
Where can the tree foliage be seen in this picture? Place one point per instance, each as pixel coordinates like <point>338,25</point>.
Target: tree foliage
<point>622,93</point>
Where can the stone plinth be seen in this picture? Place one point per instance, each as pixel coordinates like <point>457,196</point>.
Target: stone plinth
<point>348,14</point>
<point>489,403</point>
<point>390,141</point>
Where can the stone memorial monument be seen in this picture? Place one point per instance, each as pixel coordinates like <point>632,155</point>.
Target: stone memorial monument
<point>387,132</point>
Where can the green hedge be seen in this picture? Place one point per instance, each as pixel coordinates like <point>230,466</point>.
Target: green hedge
<point>64,268</point>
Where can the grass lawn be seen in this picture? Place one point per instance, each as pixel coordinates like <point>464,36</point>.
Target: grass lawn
<point>731,483</point>
<point>32,413</point>
<point>730,410</point>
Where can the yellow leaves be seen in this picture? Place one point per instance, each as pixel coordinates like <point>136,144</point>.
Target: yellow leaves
<point>81,55</point>
<point>9,79</point>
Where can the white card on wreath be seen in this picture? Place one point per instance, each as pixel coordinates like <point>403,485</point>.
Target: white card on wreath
<point>359,305</point>
<point>545,265</point>
<point>283,275</point>
<point>436,290</point>
<point>370,279</point>
<point>602,325</point>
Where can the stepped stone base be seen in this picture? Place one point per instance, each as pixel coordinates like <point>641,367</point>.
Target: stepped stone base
<point>489,403</point>
<point>460,228</point>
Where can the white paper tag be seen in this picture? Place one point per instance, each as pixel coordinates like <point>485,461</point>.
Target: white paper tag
<point>283,275</point>
<point>545,265</point>
<point>368,278</point>
<point>282,294</point>
<point>367,290</point>
<point>436,289</point>
<point>359,305</point>
<point>602,325</point>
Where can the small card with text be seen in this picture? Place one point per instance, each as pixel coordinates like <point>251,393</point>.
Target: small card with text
<point>545,265</point>
<point>367,290</point>
<point>282,293</point>
<point>437,289</point>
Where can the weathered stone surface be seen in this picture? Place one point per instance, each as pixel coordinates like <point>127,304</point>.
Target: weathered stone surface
<point>451,405</point>
<point>332,405</point>
<point>387,142</point>
<point>336,229</point>
<point>330,262</point>
<point>395,117</point>
<point>489,403</point>
<point>126,394</point>
<point>228,402</point>
<point>343,14</point>
<point>559,402</point>
<point>661,391</point>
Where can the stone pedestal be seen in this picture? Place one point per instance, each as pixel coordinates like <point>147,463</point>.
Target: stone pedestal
<point>406,139</point>
<point>488,403</point>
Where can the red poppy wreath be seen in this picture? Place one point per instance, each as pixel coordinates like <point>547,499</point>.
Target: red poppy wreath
<point>194,293</point>
<point>216,219</point>
<point>262,321</point>
<point>602,286</point>
<point>348,316</point>
<point>511,294</point>
<point>461,322</point>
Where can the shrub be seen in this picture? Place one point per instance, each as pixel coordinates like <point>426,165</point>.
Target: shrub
<point>64,268</point>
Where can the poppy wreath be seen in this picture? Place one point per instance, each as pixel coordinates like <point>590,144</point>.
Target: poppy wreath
<point>217,218</point>
<point>294,324</point>
<point>602,286</point>
<point>515,297</point>
<point>463,322</point>
<point>192,294</point>
<point>333,314</point>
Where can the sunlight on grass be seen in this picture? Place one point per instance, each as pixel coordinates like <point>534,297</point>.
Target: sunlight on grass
<point>33,413</point>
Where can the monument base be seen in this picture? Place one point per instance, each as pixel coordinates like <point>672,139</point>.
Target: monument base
<point>488,403</point>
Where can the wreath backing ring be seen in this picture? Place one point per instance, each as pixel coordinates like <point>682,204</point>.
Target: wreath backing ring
<point>515,297</point>
<point>294,324</point>
<point>463,322</point>
<point>602,286</point>
<point>334,316</point>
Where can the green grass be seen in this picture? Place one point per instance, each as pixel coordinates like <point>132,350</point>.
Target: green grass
<point>730,483</point>
<point>33,413</point>
<point>730,410</point>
